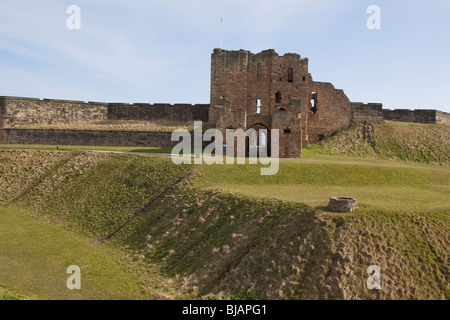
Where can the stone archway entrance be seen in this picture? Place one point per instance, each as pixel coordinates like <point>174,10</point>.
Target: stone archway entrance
<point>258,141</point>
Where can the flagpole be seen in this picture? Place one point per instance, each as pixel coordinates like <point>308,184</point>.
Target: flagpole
<point>221,31</point>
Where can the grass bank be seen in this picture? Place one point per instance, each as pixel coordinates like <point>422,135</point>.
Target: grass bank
<point>227,231</point>
<point>411,142</point>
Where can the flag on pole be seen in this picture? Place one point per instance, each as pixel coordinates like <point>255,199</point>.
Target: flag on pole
<point>221,31</point>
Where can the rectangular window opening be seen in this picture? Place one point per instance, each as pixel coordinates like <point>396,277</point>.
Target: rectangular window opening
<point>290,75</point>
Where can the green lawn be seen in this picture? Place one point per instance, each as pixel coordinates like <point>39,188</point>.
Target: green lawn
<point>313,179</point>
<point>214,235</point>
<point>34,256</point>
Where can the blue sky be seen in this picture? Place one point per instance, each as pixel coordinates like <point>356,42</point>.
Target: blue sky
<point>159,51</point>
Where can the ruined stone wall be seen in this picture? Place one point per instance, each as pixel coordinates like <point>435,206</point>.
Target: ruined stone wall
<point>86,138</point>
<point>363,112</point>
<point>229,119</point>
<point>332,111</point>
<point>158,112</point>
<point>271,81</point>
<point>405,115</point>
<point>29,111</point>
<point>2,111</point>
<point>3,136</point>
<point>16,112</point>
<point>292,90</point>
<point>289,124</point>
<point>443,117</point>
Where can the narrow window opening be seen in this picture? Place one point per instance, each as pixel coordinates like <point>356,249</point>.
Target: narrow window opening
<point>304,78</point>
<point>287,131</point>
<point>278,97</point>
<point>290,75</point>
<point>258,106</point>
<point>314,103</point>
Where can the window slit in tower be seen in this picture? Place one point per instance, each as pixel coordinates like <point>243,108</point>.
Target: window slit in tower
<point>290,75</point>
<point>314,103</point>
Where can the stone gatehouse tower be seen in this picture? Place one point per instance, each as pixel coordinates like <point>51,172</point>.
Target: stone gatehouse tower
<point>269,91</point>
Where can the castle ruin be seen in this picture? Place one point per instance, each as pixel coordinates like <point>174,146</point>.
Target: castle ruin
<point>258,91</point>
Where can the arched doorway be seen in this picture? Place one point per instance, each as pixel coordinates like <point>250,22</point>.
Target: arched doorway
<point>258,141</point>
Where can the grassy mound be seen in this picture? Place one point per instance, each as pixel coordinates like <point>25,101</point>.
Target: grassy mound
<point>414,142</point>
<point>229,232</point>
<point>221,244</point>
<point>97,191</point>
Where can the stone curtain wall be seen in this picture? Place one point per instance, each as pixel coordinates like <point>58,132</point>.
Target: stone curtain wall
<point>367,112</point>
<point>420,116</point>
<point>158,111</point>
<point>29,111</point>
<point>86,138</point>
<point>362,112</point>
<point>16,111</point>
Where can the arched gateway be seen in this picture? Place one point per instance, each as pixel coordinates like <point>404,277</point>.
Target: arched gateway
<point>258,144</point>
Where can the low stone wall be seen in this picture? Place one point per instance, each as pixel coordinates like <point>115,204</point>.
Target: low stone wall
<point>158,111</point>
<point>362,112</point>
<point>405,115</point>
<point>87,138</point>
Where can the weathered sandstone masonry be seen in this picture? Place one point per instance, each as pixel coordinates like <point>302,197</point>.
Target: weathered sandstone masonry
<point>16,112</point>
<point>158,111</point>
<point>30,111</point>
<point>268,91</point>
<point>88,138</point>
<point>374,112</point>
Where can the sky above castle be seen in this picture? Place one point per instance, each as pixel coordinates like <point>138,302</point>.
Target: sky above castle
<point>159,51</point>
